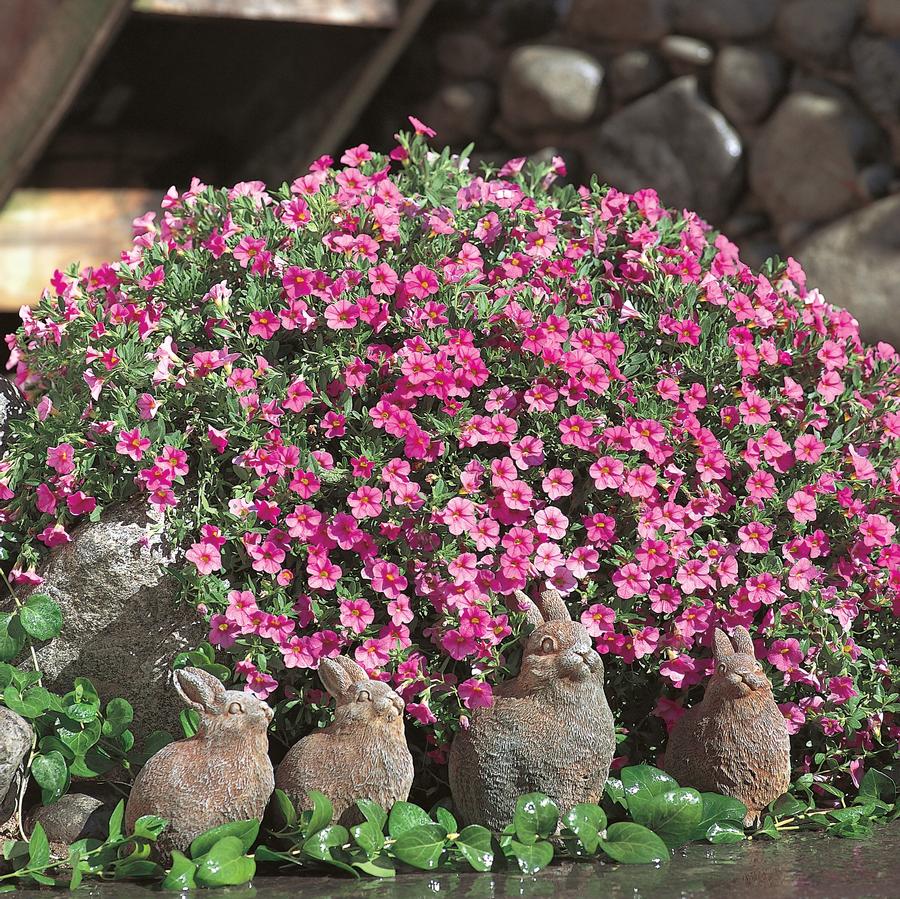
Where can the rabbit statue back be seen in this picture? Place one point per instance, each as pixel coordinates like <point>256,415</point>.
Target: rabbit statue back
<point>362,754</point>
<point>549,729</point>
<point>735,741</point>
<point>221,774</point>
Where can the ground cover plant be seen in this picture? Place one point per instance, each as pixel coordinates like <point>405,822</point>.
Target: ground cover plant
<point>371,404</point>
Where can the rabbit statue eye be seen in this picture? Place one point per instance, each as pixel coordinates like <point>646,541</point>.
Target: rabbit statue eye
<point>363,696</point>
<point>548,644</point>
<point>721,667</point>
<point>235,708</point>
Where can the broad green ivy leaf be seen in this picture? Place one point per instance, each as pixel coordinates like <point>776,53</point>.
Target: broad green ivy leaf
<point>38,848</point>
<point>445,819</point>
<point>475,844</point>
<point>79,740</point>
<point>586,821</point>
<point>641,783</point>
<point>225,865</point>
<point>532,857</point>
<point>368,837</point>
<point>245,831</point>
<point>181,874</point>
<point>719,809</point>
<point>12,636</point>
<point>372,812</point>
<point>726,832</point>
<point>633,844</point>
<point>119,714</point>
<point>41,617</point>
<point>320,844</point>
<point>115,821</point>
<point>536,815</point>
<point>380,866</point>
<point>877,785</point>
<point>404,816</point>
<point>421,846</point>
<point>785,806</point>
<point>322,812</point>
<point>674,815</point>
<point>52,774</point>
<point>285,808</point>
<point>31,704</point>
<point>149,826</point>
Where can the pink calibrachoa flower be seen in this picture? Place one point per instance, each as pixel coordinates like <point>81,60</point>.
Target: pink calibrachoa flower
<point>61,458</point>
<point>631,581</point>
<point>205,556</point>
<point>877,530</point>
<point>755,537</point>
<point>356,615</point>
<point>785,655</point>
<point>476,694</point>
<point>132,444</point>
<point>598,619</point>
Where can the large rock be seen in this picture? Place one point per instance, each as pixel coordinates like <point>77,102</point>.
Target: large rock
<point>465,54</point>
<point>805,162</point>
<point>883,16</point>
<point>876,73</point>
<point>75,816</point>
<point>642,21</point>
<point>12,406</point>
<point>724,19</point>
<point>674,141</point>
<point>122,621</point>
<point>15,741</point>
<point>816,30</point>
<point>747,82</point>
<point>461,111</point>
<point>545,86</point>
<point>855,262</point>
<point>634,73</point>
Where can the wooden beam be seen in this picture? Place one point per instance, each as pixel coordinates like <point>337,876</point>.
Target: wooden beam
<point>42,230</point>
<point>358,13</point>
<point>47,50</point>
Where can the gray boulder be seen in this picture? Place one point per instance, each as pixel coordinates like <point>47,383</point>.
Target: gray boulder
<point>465,54</point>
<point>816,30</point>
<point>72,817</point>
<point>724,19</point>
<point>634,73</point>
<point>122,620</point>
<point>545,86</point>
<point>674,141</point>
<point>642,21</point>
<point>855,262</point>
<point>746,83</point>
<point>15,741</point>
<point>685,54</point>
<point>805,162</point>
<point>876,74</point>
<point>883,16</point>
<point>461,111</point>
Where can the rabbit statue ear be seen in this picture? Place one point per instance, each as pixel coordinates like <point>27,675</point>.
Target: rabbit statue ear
<point>742,641</point>
<point>354,670</point>
<point>335,677</point>
<point>553,606</point>
<point>200,690</point>
<point>722,648</point>
<point>532,613</point>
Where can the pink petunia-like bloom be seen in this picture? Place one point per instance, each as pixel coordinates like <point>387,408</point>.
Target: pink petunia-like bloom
<point>458,644</point>
<point>551,523</point>
<point>877,530</point>
<point>322,574</point>
<point>598,619</point>
<point>263,323</point>
<point>785,655</point>
<point>840,689</point>
<point>61,458</point>
<point>421,282</point>
<point>755,537</point>
<point>459,516</point>
<point>476,694</point>
<point>365,502</point>
<point>356,615</point>
<point>132,444</point>
<point>630,581</point>
<point>222,632</point>
<point>205,556</point>
<point>802,505</point>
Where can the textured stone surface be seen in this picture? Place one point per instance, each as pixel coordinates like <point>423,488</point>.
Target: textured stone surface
<point>465,54</point>
<point>72,817</point>
<point>855,262</point>
<point>883,16</point>
<point>12,406</point>
<point>633,74</point>
<point>816,30</point>
<point>876,74</point>
<point>805,162</point>
<point>461,111</point>
<point>545,86</point>
<point>643,21</point>
<point>674,141</point>
<point>723,19</point>
<point>15,741</point>
<point>682,51</point>
<point>122,622</point>
<point>746,82</point>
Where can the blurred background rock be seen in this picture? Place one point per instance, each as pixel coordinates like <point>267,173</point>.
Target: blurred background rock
<point>777,120</point>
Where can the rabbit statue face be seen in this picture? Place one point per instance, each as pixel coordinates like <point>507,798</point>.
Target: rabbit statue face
<point>222,712</point>
<point>737,672</point>
<point>359,700</point>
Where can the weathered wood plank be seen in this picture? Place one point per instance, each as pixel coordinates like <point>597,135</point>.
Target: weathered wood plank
<point>42,230</point>
<point>359,13</point>
<point>47,49</point>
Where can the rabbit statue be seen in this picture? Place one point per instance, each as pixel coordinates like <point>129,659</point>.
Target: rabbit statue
<point>735,740</point>
<point>221,774</point>
<point>362,754</point>
<point>549,729</point>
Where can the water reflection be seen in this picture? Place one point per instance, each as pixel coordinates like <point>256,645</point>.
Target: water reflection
<point>803,866</point>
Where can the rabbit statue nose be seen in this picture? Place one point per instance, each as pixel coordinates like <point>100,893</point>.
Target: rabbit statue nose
<point>591,659</point>
<point>389,707</point>
<point>755,681</point>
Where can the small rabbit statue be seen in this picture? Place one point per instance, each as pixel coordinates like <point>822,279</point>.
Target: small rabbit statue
<point>221,774</point>
<point>550,729</point>
<point>362,754</point>
<point>735,740</point>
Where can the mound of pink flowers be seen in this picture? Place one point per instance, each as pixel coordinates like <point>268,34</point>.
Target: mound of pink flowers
<point>374,403</point>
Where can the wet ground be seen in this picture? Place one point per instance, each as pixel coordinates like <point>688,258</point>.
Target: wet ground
<point>808,865</point>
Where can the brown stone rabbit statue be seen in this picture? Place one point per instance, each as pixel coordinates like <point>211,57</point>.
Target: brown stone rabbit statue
<point>362,754</point>
<point>221,774</point>
<point>735,740</point>
<point>549,730</point>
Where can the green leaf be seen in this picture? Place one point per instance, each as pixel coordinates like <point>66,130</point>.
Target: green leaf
<point>368,837</point>
<point>149,826</point>
<point>586,821</point>
<point>31,704</point>
<point>614,789</point>
<point>12,636</point>
<point>119,714</point>
<point>633,844</point>
<point>41,617</point>
<point>877,785</point>
<point>372,812</point>
<point>52,774</point>
<point>719,809</point>
<point>421,846</point>
<point>225,865</point>
<point>726,832</point>
<point>785,806</point>
<point>641,783</point>
<point>445,819</point>
<point>181,874</point>
<point>381,866</point>
<point>74,863</point>
<point>245,831</point>
<point>404,816</point>
<point>79,740</point>
<point>285,808</point>
<point>38,848</point>
<point>536,815</point>
<point>115,821</point>
<point>532,857</point>
<point>674,815</point>
<point>475,845</point>
<point>322,812</point>
<point>320,846</point>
